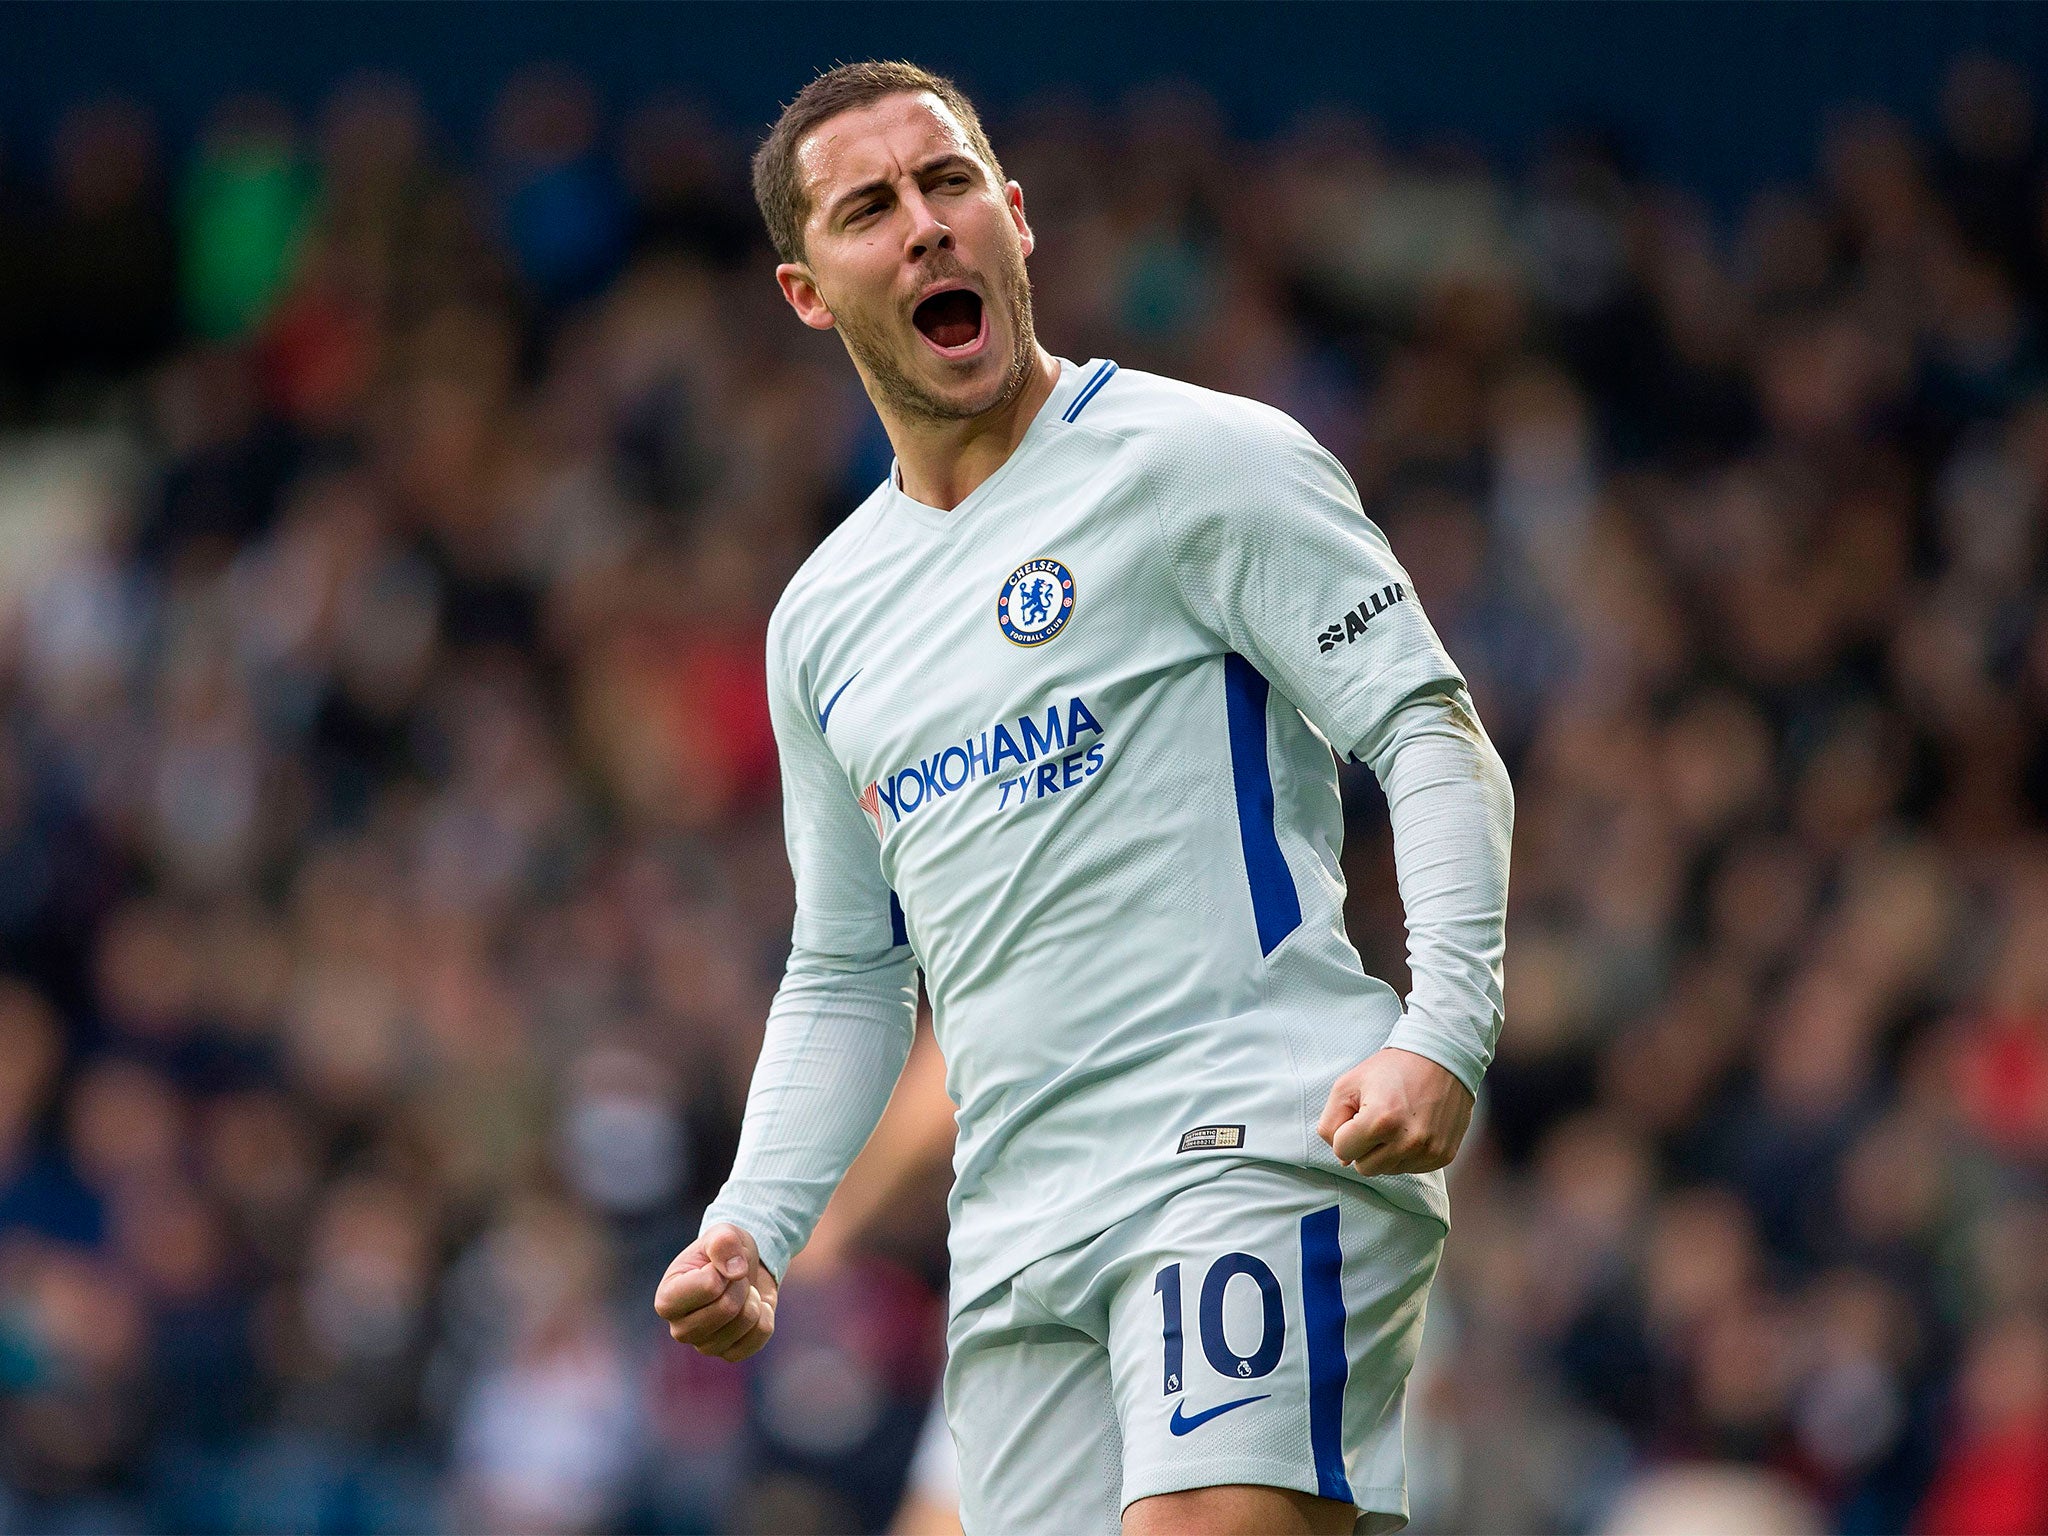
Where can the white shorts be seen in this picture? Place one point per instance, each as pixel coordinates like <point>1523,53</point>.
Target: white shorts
<point>1255,1328</point>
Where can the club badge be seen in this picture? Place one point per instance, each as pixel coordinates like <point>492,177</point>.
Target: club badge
<point>1036,602</point>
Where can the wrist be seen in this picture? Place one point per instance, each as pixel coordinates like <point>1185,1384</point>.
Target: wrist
<point>1416,1038</point>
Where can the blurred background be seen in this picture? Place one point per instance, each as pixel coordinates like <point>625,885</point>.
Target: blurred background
<point>402,444</point>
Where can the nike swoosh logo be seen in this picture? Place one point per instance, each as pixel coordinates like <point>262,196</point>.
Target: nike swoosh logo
<point>826,713</point>
<point>1181,1423</point>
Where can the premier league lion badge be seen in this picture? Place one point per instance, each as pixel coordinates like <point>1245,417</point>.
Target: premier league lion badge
<point>1035,602</point>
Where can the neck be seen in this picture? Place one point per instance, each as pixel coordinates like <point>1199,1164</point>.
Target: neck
<point>942,462</point>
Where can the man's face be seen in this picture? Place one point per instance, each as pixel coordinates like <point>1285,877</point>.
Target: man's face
<point>916,255</point>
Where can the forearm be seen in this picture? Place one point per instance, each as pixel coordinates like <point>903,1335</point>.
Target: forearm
<point>1452,813</point>
<point>913,1140</point>
<point>838,1034</point>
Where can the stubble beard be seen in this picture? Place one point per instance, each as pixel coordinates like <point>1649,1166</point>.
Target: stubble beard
<point>892,385</point>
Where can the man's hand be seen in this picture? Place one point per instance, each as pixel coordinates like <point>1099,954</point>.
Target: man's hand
<point>1396,1112</point>
<point>718,1296</point>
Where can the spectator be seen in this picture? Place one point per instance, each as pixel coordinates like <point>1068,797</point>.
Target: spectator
<point>244,217</point>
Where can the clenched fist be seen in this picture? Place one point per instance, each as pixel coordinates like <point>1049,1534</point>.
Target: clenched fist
<point>718,1296</point>
<point>1396,1112</point>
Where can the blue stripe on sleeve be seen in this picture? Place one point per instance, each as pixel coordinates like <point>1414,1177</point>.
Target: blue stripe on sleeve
<point>1276,907</point>
<point>1088,391</point>
<point>1322,1305</point>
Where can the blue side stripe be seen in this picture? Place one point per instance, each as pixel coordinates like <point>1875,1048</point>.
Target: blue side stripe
<point>1088,390</point>
<point>1322,1305</point>
<point>1276,907</point>
<point>898,932</point>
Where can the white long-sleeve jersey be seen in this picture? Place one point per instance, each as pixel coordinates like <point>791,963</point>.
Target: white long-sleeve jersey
<point>1068,748</point>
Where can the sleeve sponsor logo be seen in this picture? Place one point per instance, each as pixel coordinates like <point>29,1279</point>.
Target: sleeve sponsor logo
<point>1352,625</point>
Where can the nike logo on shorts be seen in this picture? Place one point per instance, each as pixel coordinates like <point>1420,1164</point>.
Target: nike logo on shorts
<point>1181,1422</point>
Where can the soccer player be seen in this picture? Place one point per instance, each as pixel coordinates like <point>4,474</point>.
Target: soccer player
<point>1057,709</point>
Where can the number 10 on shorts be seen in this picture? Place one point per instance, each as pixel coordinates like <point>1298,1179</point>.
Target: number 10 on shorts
<point>1265,1355</point>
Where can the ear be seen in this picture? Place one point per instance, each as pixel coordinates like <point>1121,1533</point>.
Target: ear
<point>1013,199</point>
<point>801,289</point>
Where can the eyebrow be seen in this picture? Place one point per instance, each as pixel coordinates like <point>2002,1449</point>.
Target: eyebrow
<point>881,183</point>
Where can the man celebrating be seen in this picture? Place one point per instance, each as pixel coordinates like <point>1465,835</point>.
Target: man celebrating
<point>1056,709</point>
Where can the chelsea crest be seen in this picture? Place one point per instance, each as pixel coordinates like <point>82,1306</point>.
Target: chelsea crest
<point>1036,602</point>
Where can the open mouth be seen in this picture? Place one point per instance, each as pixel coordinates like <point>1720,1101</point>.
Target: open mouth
<point>954,322</point>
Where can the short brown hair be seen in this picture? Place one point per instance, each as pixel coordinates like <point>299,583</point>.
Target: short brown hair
<point>777,189</point>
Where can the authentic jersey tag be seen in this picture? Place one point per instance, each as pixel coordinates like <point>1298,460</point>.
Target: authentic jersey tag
<point>1212,1138</point>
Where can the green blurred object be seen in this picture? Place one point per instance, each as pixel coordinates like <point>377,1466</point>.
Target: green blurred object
<point>24,1362</point>
<point>246,211</point>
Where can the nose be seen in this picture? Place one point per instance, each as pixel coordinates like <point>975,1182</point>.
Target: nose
<point>927,233</point>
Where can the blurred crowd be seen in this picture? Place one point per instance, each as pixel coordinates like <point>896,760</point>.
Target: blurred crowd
<point>391,884</point>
